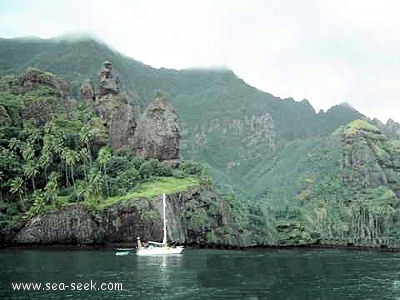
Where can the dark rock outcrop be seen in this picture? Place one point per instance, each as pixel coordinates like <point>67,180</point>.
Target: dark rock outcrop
<point>127,220</point>
<point>393,128</point>
<point>87,91</point>
<point>107,83</point>
<point>369,158</point>
<point>72,224</point>
<point>43,94</point>
<point>194,216</point>
<point>117,114</point>
<point>115,109</point>
<point>157,135</point>
<point>33,78</point>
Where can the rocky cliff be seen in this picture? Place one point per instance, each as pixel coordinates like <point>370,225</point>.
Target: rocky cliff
<point>249,138</point>
<point>158,132</point>
<point>357,202</point>
<point>204,99</point>
<point>155,135</point>
<point>369,158</point>
<point>308,184</point>
<point>197,215</point>
<point>113,107</point>
<point>43,94</point>
<point>57,168</point>
<point>393,128</point>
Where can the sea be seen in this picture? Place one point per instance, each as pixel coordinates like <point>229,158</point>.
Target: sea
<point>199,274</point>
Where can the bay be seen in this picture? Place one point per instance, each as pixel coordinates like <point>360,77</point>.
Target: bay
<point>204,274</point>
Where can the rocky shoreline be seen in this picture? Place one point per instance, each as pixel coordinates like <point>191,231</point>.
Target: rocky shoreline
<point>195,216</point>
<point>204,246</point>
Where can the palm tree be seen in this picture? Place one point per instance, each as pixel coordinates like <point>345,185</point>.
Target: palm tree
<point>14,144</point>
<point>45,158</point>
<point>57,144</point>
<point>84,138</point>
<point>70,157</point>
<point>30,171</point>
<point>103,158</point>
<point>85,151</point>
<point>51,188</point>
<point>1,184</point>
<point>28,151</point>
<point>91,189</point>
<point>17,187</point>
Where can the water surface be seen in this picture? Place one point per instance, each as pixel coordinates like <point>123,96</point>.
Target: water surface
<point>206,274</point>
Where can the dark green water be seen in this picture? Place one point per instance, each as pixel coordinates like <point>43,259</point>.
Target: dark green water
<point>206,274</point>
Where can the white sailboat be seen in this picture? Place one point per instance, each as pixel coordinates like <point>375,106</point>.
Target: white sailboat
<point>156,248</point>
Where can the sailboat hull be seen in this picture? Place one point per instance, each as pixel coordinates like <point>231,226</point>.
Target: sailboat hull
<point>163,248</point>
<point>159,251</point>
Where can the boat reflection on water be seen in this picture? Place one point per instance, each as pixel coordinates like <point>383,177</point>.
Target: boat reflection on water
<point>158,273</point>
<point>160,262</point>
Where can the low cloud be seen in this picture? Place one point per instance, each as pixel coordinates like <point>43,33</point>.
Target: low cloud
<point>325,51</point>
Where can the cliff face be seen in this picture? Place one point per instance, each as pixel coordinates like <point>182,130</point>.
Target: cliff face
<point>357,202</point>
<point>117,114</point>
<point>113,107</point>
<point>69,225</point>
<point>367,203</point>
<point>369,158</point>
<point>244,139</point>
<point>43,94</point>
<point>194,216</point>
<point>158,133</point>
<point>204,99</point>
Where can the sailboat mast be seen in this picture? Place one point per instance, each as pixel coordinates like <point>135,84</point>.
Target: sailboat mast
<point>165,222</point>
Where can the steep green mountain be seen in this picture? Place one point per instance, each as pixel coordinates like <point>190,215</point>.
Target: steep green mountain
<point>303,177</point>
<point>237,129</point>
<point>66,179</point>
<point>358,201</point>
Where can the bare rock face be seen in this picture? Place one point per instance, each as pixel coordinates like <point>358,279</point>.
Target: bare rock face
<point>393,128</point>
<point>70,225</point>
<point>33,78</point>
<point>158,132</point>
<point>108,84</point>
<point>87,91</point>
<point>197,215</point>
<point>369,158</point>
<point>55,92</point>
<point>128,220</point>
<point>114,109</point>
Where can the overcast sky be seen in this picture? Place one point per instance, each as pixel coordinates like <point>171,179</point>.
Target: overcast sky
<point>328,52</point>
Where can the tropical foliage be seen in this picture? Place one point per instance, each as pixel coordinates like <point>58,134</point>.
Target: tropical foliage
<point>47,163</point>
<point>302,176</point>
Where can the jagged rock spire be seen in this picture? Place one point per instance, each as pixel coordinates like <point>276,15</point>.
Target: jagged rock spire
<point>87,91</point>
<point>107,83</point>
<point>157,134</point>
<point>114,109</point>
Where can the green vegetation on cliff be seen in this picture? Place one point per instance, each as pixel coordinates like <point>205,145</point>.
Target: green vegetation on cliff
<point>53,151</point>
<point>303,177</point>
<point>349,193</point>
<point>236,129</point>
<point>160,185</point>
